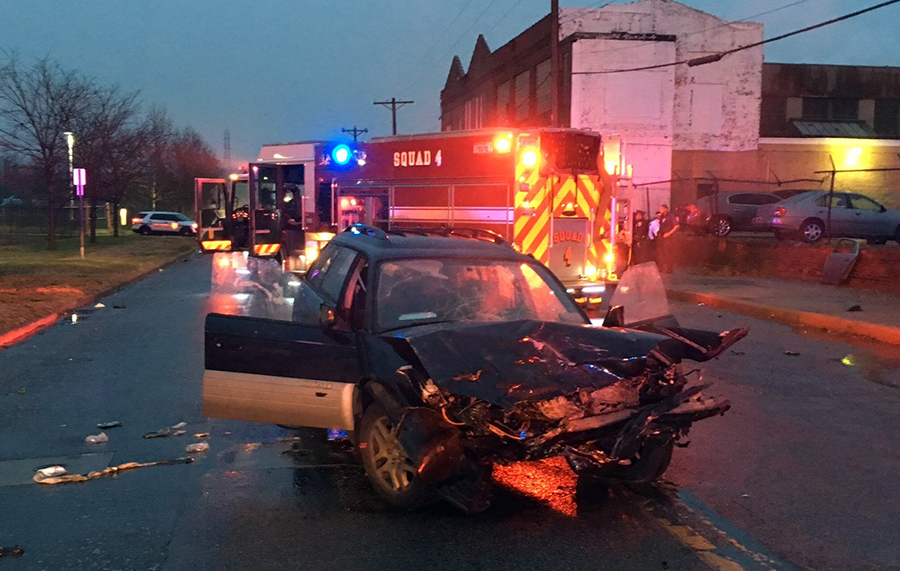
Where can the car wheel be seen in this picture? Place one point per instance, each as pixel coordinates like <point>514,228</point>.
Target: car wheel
<point>145,231</point>
<point>812,230</point>
<point>186,232</point>
<point>721,226</point>
<point>649,465</point>
<point>387,465</point>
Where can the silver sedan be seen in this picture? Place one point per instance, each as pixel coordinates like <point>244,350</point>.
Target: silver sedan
<point>852,216</point>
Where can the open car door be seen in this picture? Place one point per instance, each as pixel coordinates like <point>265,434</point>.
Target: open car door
<point>281,372</point>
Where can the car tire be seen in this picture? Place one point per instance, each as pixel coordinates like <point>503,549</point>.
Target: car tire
<point>386,464</point>
<point>651,463</point>
<point>145,231</point>
<point>186,232</point>
<point>720,226</point>
<point>781,235</point>
<point>812,230</point>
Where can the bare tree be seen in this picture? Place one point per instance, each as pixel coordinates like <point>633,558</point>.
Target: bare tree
<point>37,106</point>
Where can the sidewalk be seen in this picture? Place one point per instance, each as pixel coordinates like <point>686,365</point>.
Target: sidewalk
<point>795,303</point>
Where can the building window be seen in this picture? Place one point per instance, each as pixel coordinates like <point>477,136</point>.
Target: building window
<point>543,97</point>
<point>772,116</point>
<point>473,113</point>
<point>831,108</point>
<point>522,99</point>
<point>887,117</point>
<point>504,100</point>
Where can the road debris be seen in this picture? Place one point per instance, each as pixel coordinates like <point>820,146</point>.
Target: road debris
<point>197,447</point>
<point>855,308</point>
<point>112,470</point>
<point>118,307</point>
<point>111,424</point>
<point>738,353</point>
<point>99,305</point>
<point>792,353</point>
<point>14,551</point>
<point>52,471</point>
<point>97,439</point>
<point>202,435</point>
<point>21,391</point>
<point>174,430</point>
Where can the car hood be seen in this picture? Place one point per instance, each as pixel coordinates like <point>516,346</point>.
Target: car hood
<point>506,363</point>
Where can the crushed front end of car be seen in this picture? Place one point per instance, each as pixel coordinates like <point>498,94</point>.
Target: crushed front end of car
<point>612,401</point>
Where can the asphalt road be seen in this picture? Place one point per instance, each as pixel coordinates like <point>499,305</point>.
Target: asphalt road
<point>801,472</point>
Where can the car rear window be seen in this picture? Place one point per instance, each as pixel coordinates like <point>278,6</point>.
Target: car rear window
<point>753,198</point>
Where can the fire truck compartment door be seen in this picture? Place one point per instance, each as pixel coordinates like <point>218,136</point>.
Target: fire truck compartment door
<point>279,372</point>
<point>210,196</point>
<point>568,247</point>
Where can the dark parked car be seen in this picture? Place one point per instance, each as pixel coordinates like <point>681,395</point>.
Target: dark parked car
<point>446,355</point>
<point>720,213</point>
<point>852,216</point>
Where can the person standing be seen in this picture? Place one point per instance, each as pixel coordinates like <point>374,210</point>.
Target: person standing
<point>668,225</point>
<point>639,241</point>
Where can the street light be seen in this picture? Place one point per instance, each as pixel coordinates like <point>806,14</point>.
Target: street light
<point>70,143</point>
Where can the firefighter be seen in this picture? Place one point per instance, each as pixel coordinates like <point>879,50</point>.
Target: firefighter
<point>668,225</point>
<point>640,244</point>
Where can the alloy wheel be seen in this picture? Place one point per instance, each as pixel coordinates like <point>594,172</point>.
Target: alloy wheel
<point>392,465</point>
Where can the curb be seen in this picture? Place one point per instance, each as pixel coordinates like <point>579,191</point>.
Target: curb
<point>883,333</point>
<point>10,338</point>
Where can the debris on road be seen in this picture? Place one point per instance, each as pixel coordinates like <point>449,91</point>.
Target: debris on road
<point>21,391</point>
<point>99,305</point>
<point>792,353</point>
<point>107,425</point>
<point>14,551</point>
<point>52,471</point>
<point>97,439</point>
<point>738,353</point>
<point>855,308</point>
<point>112,470</point>
<point>197,447</point>
<point>174,430</point>
<point>118,307</point>
<point>202,435</point>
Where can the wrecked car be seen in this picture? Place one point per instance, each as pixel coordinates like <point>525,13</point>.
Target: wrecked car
<point>443,355</point>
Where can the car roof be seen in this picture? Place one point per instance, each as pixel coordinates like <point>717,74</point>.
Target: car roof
<point>402,245</point>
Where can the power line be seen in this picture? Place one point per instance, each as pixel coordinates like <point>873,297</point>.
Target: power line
<point>393,105</point>
<point>431,49</point>
<point>718,56</point>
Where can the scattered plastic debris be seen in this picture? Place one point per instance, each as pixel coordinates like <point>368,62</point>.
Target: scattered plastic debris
<point>197,447</point>
<point>107,425</point>
<point>22,391</point>
<point>112,470</point>
<point>99,305</point>
<point>97,439</point>
<point>700,304</point>
<point>14,551</point>
<point>738,353</point>
<point>202,435</point>
<point>52,471</point>
<point>745,495</point>
<point>174,430</point>
<point>792,353</point>
<point>855,308</point>
<point>336,434</point>
<point>74,318</point>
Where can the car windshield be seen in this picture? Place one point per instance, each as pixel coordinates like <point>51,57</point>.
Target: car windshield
<point>418,291</point>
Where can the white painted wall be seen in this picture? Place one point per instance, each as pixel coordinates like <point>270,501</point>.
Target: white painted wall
<point>709,107</point>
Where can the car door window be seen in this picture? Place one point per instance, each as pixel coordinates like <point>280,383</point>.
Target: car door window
<point>328,277</point>
<point>860,202</point>
<point>840,201</point>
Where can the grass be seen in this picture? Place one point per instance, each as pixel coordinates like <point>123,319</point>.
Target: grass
<point>36,282</point>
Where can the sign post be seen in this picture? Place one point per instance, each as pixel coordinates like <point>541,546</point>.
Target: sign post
<point>79,179</point>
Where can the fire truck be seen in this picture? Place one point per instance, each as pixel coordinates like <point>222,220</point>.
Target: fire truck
<point>546,192</point>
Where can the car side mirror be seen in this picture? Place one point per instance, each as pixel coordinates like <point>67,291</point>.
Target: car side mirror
<point>327,316</point>
<point>615,317</point>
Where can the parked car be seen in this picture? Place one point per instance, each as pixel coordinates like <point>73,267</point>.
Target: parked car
<point>444,355</point>
<point>852,216</point>
<point>722,212</point>
<point>157,222</point>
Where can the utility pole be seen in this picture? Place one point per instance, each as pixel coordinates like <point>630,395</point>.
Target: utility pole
<point>357,132</point>
<point>393,105</point>
<point>226,150</point>
<point>554,63</point>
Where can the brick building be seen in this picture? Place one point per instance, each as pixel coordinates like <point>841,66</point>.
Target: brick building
<point>735,124</point>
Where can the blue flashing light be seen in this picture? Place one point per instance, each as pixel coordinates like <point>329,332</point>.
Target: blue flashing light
<point>523,435</point>
<point>336,434</point>
<point>341,154</point>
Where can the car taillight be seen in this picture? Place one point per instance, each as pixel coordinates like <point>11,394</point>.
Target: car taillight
<point>136,220</point>
<point>779,212</point>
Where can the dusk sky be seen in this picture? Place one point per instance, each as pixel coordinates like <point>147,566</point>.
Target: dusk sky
<point>286,70</point>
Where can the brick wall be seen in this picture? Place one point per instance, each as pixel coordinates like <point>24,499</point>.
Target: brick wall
<point>878,267</point>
